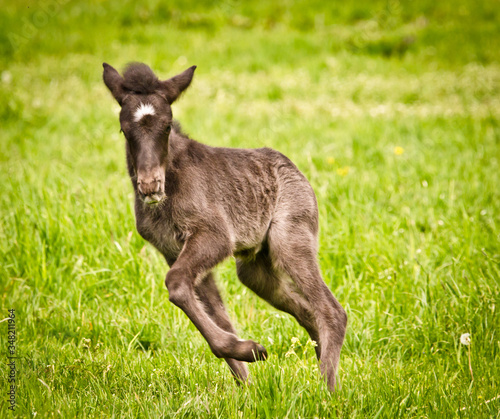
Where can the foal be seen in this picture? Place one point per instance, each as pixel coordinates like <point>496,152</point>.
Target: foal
<point>199,205</point>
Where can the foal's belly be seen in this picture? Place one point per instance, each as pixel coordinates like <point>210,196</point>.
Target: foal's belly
<point>249,244</point>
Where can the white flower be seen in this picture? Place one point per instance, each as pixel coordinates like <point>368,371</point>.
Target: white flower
<point>7,78</point>
<point>465,339</point>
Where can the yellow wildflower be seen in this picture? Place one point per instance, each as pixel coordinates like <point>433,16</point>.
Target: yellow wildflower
<point>330,160</point>
<point>343,171</point>
<point>398,150</point>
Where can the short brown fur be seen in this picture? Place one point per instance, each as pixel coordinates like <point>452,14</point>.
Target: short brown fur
<point>199,205</point>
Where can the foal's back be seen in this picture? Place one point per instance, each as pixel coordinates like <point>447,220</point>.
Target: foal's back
<point>246,189</point>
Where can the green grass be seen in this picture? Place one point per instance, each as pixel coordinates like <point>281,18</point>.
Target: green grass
<point>409,240</point>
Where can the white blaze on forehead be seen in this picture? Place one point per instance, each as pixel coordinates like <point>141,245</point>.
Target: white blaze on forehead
<point>142,110</point>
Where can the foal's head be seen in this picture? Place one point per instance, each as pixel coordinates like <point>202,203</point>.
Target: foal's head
<point>146,120</point>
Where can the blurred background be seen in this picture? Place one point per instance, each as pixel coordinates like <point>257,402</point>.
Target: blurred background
<point>390,108</point>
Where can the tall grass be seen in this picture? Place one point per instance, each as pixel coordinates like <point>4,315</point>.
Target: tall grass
<point>390,109</point>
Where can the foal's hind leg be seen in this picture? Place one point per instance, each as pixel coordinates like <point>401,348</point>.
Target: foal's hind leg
<point>208,294</point>
<point>293,249</point>
<point>277,289</point>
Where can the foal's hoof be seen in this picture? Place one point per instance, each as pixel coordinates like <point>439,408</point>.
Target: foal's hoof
<point>261,354</point>
<point>249,351</point>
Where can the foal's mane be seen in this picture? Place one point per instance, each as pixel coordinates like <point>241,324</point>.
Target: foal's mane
<point>176,125</point>
<point>139,78</point>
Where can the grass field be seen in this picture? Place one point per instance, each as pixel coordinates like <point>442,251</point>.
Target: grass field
<point>391,109</point>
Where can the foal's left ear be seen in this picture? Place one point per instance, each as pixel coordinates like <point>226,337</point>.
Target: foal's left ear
<point>172,88</point>
<point>114,82</point>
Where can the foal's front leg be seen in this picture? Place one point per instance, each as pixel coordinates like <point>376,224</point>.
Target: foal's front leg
<point>208,294</point>
<point>202,251</point>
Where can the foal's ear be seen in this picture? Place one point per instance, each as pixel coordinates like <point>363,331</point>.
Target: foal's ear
<point>172,88</point>
<point>114,82</point>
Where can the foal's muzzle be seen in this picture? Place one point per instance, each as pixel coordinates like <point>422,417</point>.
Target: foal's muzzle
<point>151,189</point>
<point>154,199</point>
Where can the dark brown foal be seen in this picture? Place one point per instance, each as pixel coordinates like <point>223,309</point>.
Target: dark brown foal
<point>198,205</point>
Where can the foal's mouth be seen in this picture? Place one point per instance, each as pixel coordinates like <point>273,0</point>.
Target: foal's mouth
<point>154,199</point>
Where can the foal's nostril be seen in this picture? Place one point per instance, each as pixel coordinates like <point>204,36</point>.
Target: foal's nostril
<point>148,188</point>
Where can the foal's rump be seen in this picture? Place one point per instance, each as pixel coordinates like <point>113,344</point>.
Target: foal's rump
<point>268,193</point>
<point>296,206</point>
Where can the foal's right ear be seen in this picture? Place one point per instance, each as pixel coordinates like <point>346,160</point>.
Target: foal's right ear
<point>173,87</point>
<point>114,82</point>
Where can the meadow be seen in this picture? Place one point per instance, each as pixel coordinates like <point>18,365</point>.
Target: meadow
<point>392,111</point>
